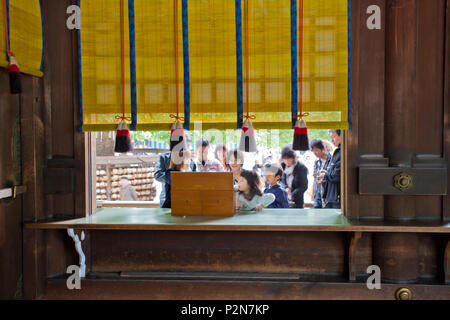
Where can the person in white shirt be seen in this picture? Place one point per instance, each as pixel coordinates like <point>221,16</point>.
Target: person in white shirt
<point>323,158</point>
<point>203,163</point>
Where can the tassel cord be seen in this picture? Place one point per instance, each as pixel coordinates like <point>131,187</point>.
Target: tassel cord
<point>8,49</point>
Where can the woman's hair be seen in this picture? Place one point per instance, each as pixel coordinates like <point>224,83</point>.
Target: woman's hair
<point>254,181</point>
<point>317,143</point>
<point>235,153</point>
<point>177,159</point>
<point>220,147</point>
<point>288,153</point>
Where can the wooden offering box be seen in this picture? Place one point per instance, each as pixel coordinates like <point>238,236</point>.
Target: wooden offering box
<point>202,194</point>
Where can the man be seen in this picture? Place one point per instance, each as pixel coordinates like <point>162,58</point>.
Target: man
<point>162,168</point>
<point>323,157</point>
<point>295,177</point>
<point>127,192</point>
<point>331,177</point>
<point>203,163</point>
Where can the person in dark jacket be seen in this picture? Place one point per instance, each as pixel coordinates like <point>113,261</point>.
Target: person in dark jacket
<point>273,174</point>
<point>180,163</point>
<point>295,177</point>
<point>323,158</point>
<point>162,168</point>
<point>331,177</point>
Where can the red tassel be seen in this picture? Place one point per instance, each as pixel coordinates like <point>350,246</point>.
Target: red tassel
<point>123,139</point>
<point>301,141</point>
<point>177,137</point>
<point>248,141</point>
<point>14,76</point>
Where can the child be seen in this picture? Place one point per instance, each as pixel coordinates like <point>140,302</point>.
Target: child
<point>178,162</point>
<point>250,196</point>
<point>273,176</point>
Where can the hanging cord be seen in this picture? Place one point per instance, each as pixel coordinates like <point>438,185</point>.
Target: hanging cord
<point>301,114</point>
<point>175,36</point>
<point>122,57</point>
<point>8,49</point>
<point>246,13</point>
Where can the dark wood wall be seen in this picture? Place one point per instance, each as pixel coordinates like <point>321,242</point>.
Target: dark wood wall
<point>49,122</point>
<point>400,103</point>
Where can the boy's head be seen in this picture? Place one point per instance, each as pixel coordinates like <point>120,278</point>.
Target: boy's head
<point>273,173</point>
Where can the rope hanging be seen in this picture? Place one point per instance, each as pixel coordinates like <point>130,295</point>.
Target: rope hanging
<point>301,140</point>
<point>123,140</point>
<point>122,60</point>
<point>247,62</point>
<point>248,141</point>
<point>177,136</point>
<point>177,85</point>
<point>300,33</point>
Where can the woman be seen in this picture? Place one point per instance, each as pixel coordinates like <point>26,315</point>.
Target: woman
<point>179,161</point>
<point>221,155</point>
<point>235,161</point>
<point>295,177</point>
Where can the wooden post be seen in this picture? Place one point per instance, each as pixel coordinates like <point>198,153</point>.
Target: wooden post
<point>397,255</point>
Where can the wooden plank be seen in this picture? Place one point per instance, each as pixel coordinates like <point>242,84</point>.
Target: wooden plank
<point>446,117</point>
<point>127,204</point>
<point>208,251</point>
<point>128,160</point>
<point>352,255</point>
<point>99,289</point>
<point>397,255</point>
<point>430,45</point>
<point>401,83</point>
<point>33,157</point>
<point>10,208</point>
<point>367,100</point>
<point>266,220</point>
<point>428,257</point>
<point>447,263</point>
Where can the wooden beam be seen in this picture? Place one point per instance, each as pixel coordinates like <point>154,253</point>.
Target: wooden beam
<point>446,117</point>
<point>234,290</point>
<point>352,255</point>
<point>367,106</point>
<point>447,263</point>
<point>33,157</point>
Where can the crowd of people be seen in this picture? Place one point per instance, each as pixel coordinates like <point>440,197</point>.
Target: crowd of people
<point>273,184</point>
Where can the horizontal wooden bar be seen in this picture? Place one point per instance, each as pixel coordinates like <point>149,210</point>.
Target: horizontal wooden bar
<point>137,289</point>
<point>267,220</point>
<point>128,204</point>
<point>380,181</point>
